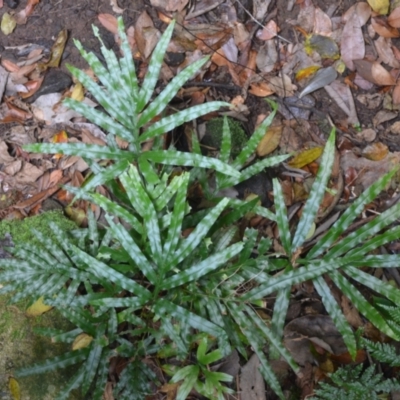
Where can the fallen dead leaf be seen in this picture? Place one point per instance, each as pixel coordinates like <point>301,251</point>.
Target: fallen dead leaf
<point>37,308</point>
<point>343,97</point>
<point>375,151</point>
<point>282,86</point>
<point>382,28</point>
<point>396,94</point>
<point>269,31</point>
<point>146,35</point>
<point>322,23</point>
<point>115,7</point>
<point>267,57</point>
<point>8,23</point>
<point>383,116</point>
<point>109,22</point>
<point>394,18</point>
<point>170,5</point>
<point>373,72</point>
<point>305,157</point>
<point>270,141</point>
<point>352,46</point>
<point>261,89</point>
<point>361,9</point>
<point>22,16</point>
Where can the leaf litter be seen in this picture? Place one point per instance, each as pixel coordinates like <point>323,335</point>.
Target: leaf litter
<point>346,61</point>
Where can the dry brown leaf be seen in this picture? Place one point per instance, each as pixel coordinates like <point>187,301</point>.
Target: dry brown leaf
<point>261,89</point>
<point>352,45</point>
<point>382,28</point>
<point>269,31</point>
<point>361,9</point>
<point>240,33</point>
<point>373,72</point>
<point>282,86</point>
<point>115,7</point>
<point>9,65</point>
<point>270,141</point>
<point>394,18</point>
<point>322,23</point>
<point>396,94</point>
<point>383,116</point>
<point>22,16</point>
<point>375,151</point>
<point>109,22</point>
<point>343,97</point>
<point>384,48</point>
<point>11,113</point>
<point>267,57</point>
<point>146,35</point>
<point>170,5</point>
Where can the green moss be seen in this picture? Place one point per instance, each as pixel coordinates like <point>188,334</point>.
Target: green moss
<point>213,137</point>
<point>21,230</point>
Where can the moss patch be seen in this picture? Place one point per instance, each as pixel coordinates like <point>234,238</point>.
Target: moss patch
<point>21,230</point>
<point>213,136</point>
<point>20,347</point>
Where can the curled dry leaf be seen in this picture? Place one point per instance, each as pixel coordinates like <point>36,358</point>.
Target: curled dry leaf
<point>383,116</point>
<point>267,57</point>
<point>352,45</point>
<point>384,48</point>
<point>382,28</point>
<point>269,31</point>
<point>394,18</point>
<point>282,86</point>
<point>261,89</point>
<point>22,16</point>
<point>115,7</point>
<point>270,141</point>
<point>373,72</point>
<point>375,151</point>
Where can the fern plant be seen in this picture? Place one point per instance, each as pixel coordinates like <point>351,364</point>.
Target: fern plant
<point>351,383</point>
<point>130,112</point>
<point>140,286</point>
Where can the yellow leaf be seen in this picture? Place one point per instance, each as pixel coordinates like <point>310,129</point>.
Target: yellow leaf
<point>15,391</point>
<point>380,6</point>
<point>37,308</point>
<point>56,51</point>
<point>8,23</point>
<point>270,141</point>
<point>306,72</point>
<point>77,92</point>
<point>305,157</point>
<point>81,341</point>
